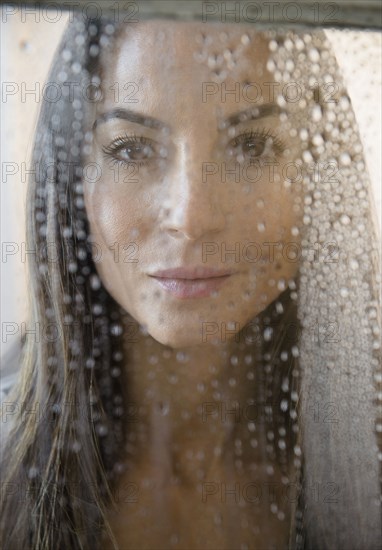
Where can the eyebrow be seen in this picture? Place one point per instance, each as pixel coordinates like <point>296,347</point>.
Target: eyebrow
<point>253,113</point>
<point>132,116</point>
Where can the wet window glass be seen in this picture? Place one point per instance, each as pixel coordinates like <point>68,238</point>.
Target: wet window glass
<point>191,277</point>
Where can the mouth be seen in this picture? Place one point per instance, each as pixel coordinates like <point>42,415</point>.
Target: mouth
<point>197,282</point>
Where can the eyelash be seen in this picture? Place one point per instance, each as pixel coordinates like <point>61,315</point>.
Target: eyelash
<point>125,140</point>
<point>277,144</point>
<point>120,143</point>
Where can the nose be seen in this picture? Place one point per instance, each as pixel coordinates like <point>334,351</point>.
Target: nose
<point>194,204</point>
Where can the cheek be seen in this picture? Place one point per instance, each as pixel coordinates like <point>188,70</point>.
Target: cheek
<point>112,218</point>
<point>270,234</point>
<point>269,212</point>
<point>113,226</point>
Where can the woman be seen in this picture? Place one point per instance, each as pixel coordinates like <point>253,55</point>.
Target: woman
<point>206,278</point>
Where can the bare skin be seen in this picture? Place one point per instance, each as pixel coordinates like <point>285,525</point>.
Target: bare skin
<point>187,365</point>
<point>197,475</point>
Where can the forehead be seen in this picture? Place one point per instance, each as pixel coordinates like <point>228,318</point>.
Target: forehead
<point>187,51</point>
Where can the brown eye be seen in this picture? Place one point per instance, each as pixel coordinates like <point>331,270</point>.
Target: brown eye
<point>127,149</point>
<point>252,145</point>
<point>135,152</point>
<point>253,148</point>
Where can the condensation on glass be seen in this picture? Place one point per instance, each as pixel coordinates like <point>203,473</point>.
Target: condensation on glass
<point>205,280</point>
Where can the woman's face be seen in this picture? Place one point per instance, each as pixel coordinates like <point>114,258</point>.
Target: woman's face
<point>186,181</point>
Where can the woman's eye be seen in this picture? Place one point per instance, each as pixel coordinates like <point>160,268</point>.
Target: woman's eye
<point>135,152</point>
<point>131,150</point>
<point>253,148</point>
<point>255,145</point>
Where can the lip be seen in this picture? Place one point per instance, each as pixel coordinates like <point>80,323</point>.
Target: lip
<point>199,272</point>
<point>199,282</point>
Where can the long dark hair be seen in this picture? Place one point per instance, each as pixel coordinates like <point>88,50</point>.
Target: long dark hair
<point>60,458</point>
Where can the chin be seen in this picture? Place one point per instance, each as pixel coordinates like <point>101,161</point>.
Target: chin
<point>176,339</point>
<point>190,334</point>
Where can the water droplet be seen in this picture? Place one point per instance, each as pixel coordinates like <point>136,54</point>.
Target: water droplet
<point>90,362</point>
<point>284,405</point>
<point>66,55</point>
<point>102,430</point>
<point>33,472</point>
<point>26,46</point>
<point>174,539</point>
<point>316,113</point>
<point>76,446</point>
<point>163,408</point>
<point>314,55</point>
<point>268,333</point>
<point>261,227</point>
<point>345,159</point>
<point>317,140</point>
<point>116,329</point>
<point>218,518</point>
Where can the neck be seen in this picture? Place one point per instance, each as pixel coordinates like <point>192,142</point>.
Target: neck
<point>187,406</point>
